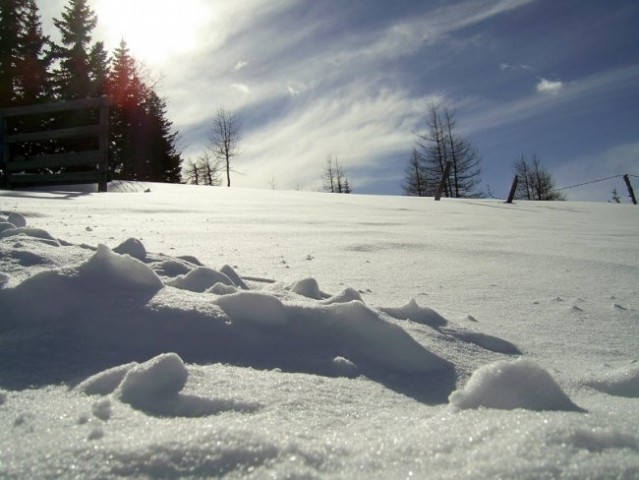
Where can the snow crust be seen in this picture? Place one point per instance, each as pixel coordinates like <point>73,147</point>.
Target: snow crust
<point>138,359</point>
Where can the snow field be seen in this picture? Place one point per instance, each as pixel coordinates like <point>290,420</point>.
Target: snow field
<point>179,369</point>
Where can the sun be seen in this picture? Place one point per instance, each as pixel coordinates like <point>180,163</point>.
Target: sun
<point>154,30</point>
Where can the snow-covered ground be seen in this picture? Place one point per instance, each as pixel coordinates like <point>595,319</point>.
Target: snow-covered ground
<point>208,332</point>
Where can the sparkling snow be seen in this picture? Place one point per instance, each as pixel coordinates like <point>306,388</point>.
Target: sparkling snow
<point>208,332</point>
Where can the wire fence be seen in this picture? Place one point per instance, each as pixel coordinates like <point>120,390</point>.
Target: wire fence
<point>595,181</point>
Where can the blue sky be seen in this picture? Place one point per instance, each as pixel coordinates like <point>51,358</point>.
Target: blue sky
<point>354,78</point>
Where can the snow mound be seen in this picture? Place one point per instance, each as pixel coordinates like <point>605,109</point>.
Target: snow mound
<point>161,376</point>
<point>307,287</point>
<point>132,247</point>
<point>254,307</point>
<point>509,385</point>
<point>345,296</point>
<point>107,381</point>
<point>378,341</point>
<point>199,279</point>
<point>171,268</point>
<point>222,289</point>
<point>17,219</point>
<point>235,278</point>
<point>623,382</point>
<point>122,271</point>
<point>6,226</point>
<point>31,232</point>
<point>412,311</point>
<point>344,367</point>
<point>154,387</point>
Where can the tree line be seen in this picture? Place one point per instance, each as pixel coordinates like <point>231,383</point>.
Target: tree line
<point>34,70</point>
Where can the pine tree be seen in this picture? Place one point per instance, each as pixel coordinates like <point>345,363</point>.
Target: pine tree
<point>10,29</point>
<point>126,90</point>
<point>33,85</point>
<point>164,159</point>
<point>143,145</point>
<point>75,76</point>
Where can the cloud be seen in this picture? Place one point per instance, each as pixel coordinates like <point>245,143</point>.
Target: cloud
<point>241,87</point>
<point>241,64</point>
<point>549,87</point>
<point>482,116</point>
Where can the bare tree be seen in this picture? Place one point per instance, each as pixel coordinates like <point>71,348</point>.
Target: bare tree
<point>416,180</point>
<point>203,171</point>
<point>191,172</point>
<point>440,144</point>
<point>210,169</point>
<point>335,180</point>
<point>225,138</point>
<point>535,181</point>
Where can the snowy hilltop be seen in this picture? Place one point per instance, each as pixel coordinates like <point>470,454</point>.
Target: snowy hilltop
<point>186,332</point>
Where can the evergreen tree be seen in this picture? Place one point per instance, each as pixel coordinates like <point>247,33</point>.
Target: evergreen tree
<point>143,145</point>
<point>10,29</point>
<point>126,90</point>
<point>33,85</point>
<point>75,76</point>
<point>163,159</point>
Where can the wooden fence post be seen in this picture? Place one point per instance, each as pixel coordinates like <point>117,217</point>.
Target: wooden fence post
<point>513,189</point>
<point>442,182</point>
<point>631,192</point>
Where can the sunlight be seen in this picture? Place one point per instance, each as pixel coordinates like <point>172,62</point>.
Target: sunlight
<point>153,29</point>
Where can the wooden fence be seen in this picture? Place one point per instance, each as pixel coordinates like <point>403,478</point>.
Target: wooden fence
<point>85,166</point>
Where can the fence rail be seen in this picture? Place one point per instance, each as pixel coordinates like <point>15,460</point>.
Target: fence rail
<point>90,165</point>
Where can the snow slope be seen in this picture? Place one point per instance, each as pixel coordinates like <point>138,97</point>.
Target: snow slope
<point>205,332</point>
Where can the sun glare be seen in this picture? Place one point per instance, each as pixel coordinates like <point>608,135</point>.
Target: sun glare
<point>154,30</point>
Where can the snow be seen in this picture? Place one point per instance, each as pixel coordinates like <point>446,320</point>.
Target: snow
<point>206,332</point>
<point>512,384</point>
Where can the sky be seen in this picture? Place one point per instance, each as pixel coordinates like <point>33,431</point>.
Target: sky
<point>353,79</point>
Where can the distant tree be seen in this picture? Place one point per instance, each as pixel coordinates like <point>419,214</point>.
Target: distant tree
<point>335,180</point>
<point>615,196</point>
<point>439,145</point>
<point>191,172</point>
<point>535,181</point>
<point>210,170</point>
<point>415,180</point>
<point>225,139</point>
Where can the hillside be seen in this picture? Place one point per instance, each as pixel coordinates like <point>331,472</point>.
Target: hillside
<point>179,331</point>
